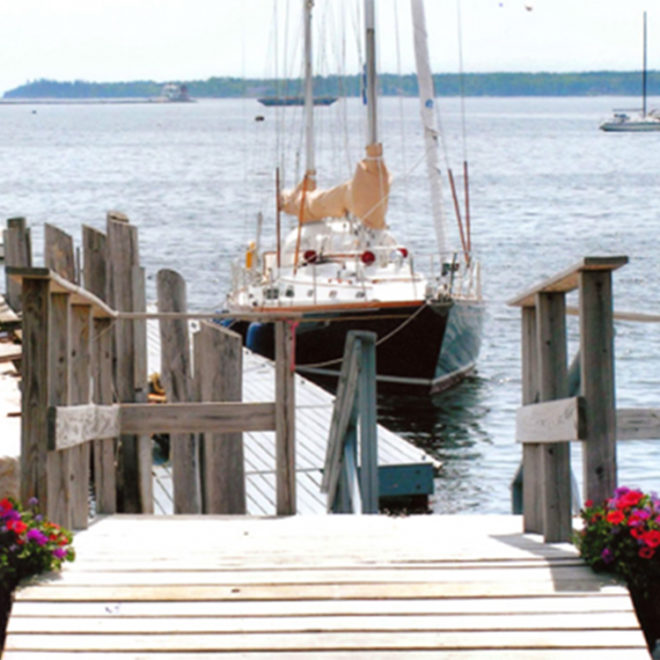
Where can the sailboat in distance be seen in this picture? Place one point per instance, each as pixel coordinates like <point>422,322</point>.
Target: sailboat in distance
<point>621,121</point>
<point>340,268</point>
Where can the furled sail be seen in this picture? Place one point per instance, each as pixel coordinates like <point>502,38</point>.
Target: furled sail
<point>365,195</point>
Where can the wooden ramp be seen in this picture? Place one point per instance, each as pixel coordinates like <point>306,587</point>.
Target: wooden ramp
<point>322,587</point>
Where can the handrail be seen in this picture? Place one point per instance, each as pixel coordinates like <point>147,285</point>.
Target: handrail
<point>351,489</point>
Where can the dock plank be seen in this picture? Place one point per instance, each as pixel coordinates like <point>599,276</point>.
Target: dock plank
<point>459,587</point>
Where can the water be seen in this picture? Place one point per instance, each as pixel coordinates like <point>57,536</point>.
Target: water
<point>547,189</point>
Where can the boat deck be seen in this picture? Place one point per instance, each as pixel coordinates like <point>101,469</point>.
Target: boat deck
<point>405,470</point>
<point>378,587</point>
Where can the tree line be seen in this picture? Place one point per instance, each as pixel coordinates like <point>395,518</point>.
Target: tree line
<point>595,83</point>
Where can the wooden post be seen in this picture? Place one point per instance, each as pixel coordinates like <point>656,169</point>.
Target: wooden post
<point>105,480</point>
<point>367,416</point>
<point>175,376</point>
<point>597,377</point>
<point>81,362</point>
<point>134,467</point>
<point>285,408</point>
<point>95,280</point>
<point>35,372</point>
<point>220,375</point>
<point>532,465</point>
<point>141,387</point>
<point>60,467</point>
<point>551,329</point>
<point>95,262</point>
<point>18,252</point>
<point>58,252</point>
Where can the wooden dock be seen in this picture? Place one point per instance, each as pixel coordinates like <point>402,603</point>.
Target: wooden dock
<point>405,470</point>
<point>322,587</point>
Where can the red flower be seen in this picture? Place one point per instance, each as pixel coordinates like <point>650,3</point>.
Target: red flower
<point>615,517</point>
<point>17,526</point>
<point>646,553</point>
<point>636,532</point>
<point>589,503</point>
<point>652,538</point>
<point>630,498</point>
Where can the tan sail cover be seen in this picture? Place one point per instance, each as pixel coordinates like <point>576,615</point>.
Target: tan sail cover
<point>365,195</point>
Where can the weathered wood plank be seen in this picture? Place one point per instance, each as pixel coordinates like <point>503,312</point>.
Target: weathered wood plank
<point>58,252</point>
<point>221,379</point>
<point>597,381</point>
<point>176,374</point>
<point>532,462</point>
<point>374,654</point>
<point>18,254</point>
<point>81,379</point>
<point>637,424</point>
<point>553,384</point>
<point>285,412</point>
<point>95,276</point>
<point>60,463</point>
<point>35,391</point>
<point>104,448</point>
<point>313,641</point>
<point>562,420</point>
<point>59,284</point>
<point>72,425</point>
<point>278,623</point>
<point>568,280</point>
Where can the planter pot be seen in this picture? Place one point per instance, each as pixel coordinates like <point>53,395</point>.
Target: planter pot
<point>6,599</point>
<point>647,607</point>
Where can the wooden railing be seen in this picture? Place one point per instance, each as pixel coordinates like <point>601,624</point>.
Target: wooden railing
<point>351,489</point>
<point>549,419</point>
<point>84,388</point>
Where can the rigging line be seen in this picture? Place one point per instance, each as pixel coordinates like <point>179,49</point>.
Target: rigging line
<point>404,155</point>
<point>382,340</point>
<point>461,78</point>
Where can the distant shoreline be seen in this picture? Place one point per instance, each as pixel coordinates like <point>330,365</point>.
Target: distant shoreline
<point>592,83</point>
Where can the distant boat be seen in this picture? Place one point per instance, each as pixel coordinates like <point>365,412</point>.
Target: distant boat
<point>621,121</point>
<point>175,93</point>
<point>295,100</point>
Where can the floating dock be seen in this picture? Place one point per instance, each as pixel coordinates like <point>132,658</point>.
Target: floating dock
<point>340,587</point>
<point>404,471</point>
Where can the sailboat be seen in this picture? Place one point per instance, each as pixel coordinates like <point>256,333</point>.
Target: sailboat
<point>646,121</point>
<point>341,268</point>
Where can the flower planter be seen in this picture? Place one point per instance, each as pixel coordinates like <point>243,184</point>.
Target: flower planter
<point>6,599</point>
<point>646,600</point>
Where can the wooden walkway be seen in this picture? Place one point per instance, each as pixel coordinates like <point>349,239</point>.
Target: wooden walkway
<point>313,416</point>
<point>459,587</point>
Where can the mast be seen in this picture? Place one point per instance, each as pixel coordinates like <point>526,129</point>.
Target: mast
<point>309,91</point>
<point>370,44</point>
<point>644,73</point>
<point>427,111</point>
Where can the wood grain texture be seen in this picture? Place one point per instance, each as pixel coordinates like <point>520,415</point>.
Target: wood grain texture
<point>562,420</point>
<point>459,587</point>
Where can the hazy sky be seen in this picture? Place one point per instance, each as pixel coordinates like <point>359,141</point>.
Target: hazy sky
<point>111,40</point>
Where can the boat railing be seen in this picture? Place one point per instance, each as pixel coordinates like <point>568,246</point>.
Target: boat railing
<point>353,489</point>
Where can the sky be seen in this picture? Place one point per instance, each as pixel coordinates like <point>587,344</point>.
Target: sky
<point>164,40</point>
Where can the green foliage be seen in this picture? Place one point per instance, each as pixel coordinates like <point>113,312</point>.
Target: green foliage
<point>29,545</point>
<point>628,83</point>
<point>622,536</point>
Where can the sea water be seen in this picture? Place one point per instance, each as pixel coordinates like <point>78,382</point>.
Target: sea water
<point>547,188</point>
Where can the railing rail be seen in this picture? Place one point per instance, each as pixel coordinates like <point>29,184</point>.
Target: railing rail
<point>353,489</point>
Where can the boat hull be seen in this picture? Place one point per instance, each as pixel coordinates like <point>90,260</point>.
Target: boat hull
<point>429,345</point>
